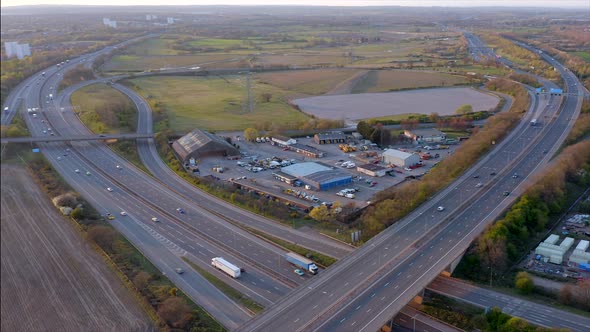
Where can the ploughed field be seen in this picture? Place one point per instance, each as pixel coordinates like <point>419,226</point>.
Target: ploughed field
<point>51,279</point>
<point>443,101</point>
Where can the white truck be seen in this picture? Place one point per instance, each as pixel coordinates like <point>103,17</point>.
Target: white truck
<point>225,266</point>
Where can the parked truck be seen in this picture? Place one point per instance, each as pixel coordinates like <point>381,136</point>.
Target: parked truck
<point>301,262</point>
<point>225,266</point>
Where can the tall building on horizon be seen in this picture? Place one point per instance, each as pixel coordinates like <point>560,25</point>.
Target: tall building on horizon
<point>14,49</point>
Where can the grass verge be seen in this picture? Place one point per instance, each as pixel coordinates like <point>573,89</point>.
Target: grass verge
<point>234,294</point>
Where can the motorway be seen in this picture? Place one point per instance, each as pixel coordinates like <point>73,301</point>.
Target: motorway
<point>198,235</point>
<point>364,290</point>
<point>95,137</point>
<point>535,313</point>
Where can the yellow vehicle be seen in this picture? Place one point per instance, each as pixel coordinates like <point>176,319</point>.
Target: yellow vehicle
<point>110,216</point>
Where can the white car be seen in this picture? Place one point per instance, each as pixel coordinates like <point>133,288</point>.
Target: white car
<point>123,213</point>
<point>58,158</point>
<point>154,219</point>
<point>479,185</point>
<point>77,170</point>
<point>118,167</point>
<point>440,208</point>
<point>109,189</point>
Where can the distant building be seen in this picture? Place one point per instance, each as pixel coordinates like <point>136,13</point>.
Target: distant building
<point>150,17</point>
<point>372,170</point>
<point>199,143</point>
<point>426,135</point>
<point>333,137</point>
<point>400,158</point>
<point>170,20</point>
<point>14,49</point>
<point>109,23</point>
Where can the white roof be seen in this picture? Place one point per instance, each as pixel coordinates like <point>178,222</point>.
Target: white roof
<point>304,169</point>
<point>583,245</point>
<point>552,239</point>
<point>396,154</point>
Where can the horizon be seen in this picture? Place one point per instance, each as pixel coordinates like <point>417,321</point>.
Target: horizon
<point>568,4</point>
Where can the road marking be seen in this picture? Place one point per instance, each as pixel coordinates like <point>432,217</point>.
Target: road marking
<point>193,248</point>
<point>295,321</point>
<point>353,323</point>
<point>372,296</point>
<point>315,306</point>
<point>343,319</point>
<point>346,284</point>
<point>387,284</point>
<point>396,286</point>
<point>383,298</point>
<point>357,308</point>
<point>369,310</point>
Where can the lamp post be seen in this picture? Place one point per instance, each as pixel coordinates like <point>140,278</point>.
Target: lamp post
<point>414,319</point>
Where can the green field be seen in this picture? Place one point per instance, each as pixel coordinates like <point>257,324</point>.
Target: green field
<point>583,55</point>
<point>309,82</point>
<point>216,104</point>
<point>390,80</point>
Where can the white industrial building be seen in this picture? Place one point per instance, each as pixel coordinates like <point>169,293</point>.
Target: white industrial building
<point>372,170</point>
<point>425,135</point>
<point>14,49</point>
<point>283,140</point>
<point>108,22</point>
<point>580,255</point>
<point>400,158</point>
<point>553,252</point>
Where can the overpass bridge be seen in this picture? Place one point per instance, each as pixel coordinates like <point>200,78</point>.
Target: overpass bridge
<point>101,137</point>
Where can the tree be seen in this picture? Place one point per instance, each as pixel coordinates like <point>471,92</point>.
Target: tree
<point>566,295</point>
<point>524,283</point>
<point>409,124</point>
<point>141,280</point>
<point>364,129</point>
<point>265,97</point>
<point>250,134</point>
<point>464,109</point>
<point>321,213</point>
<point>433,117</point>
<point>103,236</point>
<point>175,312</point>
<point>67,199</point>
<point>515,324</point>
<point>77,213</point>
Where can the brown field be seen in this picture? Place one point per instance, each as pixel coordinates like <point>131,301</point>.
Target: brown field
<point>390,80</point>
<point>443,101</point>
<point>52,280</point>
<point>310,82</point>
<point>153,62</point>
<point>301,60</point>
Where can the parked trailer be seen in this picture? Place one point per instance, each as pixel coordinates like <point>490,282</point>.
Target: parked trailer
<point>301,262</point>
<point>225,266</point>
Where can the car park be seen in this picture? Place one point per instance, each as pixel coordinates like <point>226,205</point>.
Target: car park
<point>299,272</point>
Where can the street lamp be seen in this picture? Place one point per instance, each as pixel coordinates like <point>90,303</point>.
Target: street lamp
<point>414,319</point>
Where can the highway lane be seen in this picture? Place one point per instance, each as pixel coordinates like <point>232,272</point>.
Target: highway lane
<point>263,254</point>
<point>535,313</point>
<point>381,277</point>
<point>414,320</point>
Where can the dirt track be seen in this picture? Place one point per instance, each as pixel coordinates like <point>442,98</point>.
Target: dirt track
<point>51,279</point>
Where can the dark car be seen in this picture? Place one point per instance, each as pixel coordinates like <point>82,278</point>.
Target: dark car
<point>179,210</point>
<point>506,193</point>
<point>493,173</point>
<point>476,176</point>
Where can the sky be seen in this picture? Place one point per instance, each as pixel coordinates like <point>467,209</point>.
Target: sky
<point>442,3</point>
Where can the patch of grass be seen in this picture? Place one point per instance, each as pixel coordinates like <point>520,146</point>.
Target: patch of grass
<point>310,82</point>
<point>134,63</point>
<point>231,292</point>
<point>392,80</point>
<point>394,118</point>
<point>214,103</point>
<point>18,127</point>
<point>583,55</point>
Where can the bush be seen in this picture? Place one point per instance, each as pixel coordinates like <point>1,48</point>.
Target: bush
<point>524,283</point>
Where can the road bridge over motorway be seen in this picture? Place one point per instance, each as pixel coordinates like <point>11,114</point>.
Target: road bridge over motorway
<point>101,137</point>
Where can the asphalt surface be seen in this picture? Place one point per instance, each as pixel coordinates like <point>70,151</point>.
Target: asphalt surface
<point>365,289</point>
<point>535,313</point>
<point>410,319</point>
<point>49,138</point>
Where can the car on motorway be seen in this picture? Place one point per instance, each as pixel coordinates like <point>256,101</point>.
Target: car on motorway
<point>58,158</point>
<point>506,193</point>
<point>110,216</point>
<point>154,219</point>
<point>179,270</point>
<point>77,170</point>
<point>493,173</point>
<point>299,272</point>
<point>179,210</point>
<point>479,185</point>
<point>118,167</point>
<point>88,173</point>
<point>123,213</point>
<point>109,189</point>
<point>440,208</point>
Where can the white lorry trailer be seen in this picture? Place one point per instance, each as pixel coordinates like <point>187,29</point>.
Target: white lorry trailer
<point>301,262</point>
<point>225,266</point>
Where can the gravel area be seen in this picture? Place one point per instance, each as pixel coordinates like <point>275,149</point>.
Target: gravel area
<point>443,101</point>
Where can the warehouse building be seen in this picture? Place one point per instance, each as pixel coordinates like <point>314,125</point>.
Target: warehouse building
<point>372,170</point>
<point>580,255</point>
<point>333,137</point>
<point>551,251</point>
<point>318,176</point>
<point>282,141</point>
<point>400,158</point>
<point>199,143</point>
<point>425,136</point>
<point>307,150</point>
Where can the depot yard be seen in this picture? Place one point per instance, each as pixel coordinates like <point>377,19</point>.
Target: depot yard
<point>265,181</point>
<point>443,101</point>
<point>52,280</point>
